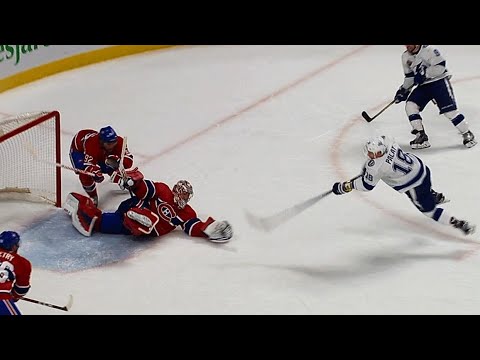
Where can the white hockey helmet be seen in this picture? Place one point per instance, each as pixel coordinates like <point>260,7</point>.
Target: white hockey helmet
<point>375,147</point>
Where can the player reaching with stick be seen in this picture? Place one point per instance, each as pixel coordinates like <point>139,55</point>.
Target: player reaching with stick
<point>405,173</point>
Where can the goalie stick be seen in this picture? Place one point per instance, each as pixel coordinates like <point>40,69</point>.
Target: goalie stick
<point>64,308</point>
<point>121,167</point>
<point>271,222</point>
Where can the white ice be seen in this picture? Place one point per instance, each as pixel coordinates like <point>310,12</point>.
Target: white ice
<point>261,128</point>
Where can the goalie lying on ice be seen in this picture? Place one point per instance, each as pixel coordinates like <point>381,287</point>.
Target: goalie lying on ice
<point>154,210</point>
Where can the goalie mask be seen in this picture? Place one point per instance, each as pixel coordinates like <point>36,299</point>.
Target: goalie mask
<point>375,147</point>
<point>182,193</point>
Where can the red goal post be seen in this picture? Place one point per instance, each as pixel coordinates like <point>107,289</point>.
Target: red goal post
<point>29,149</point>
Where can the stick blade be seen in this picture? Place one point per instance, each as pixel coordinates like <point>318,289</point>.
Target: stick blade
<point>366,116</point>
<point>257,222</point>
<point>69,303</point>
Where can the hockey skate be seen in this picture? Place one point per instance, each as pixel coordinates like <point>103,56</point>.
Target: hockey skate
<point>439,197</point>
<point>469,139</point>
<point>463,225</point>
<point>420,141</point>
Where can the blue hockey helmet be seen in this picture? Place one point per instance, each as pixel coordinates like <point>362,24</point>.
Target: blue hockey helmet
<point>107,134</point>
<point>8,239</point>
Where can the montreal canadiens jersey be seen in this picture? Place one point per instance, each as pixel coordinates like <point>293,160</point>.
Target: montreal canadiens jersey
<point>158,197</point>
<point>88,142</point>
<point>21,268</point>
<point>398,169</point>
<point>429,57</point>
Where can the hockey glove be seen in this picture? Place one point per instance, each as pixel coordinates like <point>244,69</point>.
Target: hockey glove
<point>342,188</point>
<point>112,161</point>
<point>420,75</point>
<point>401,95</point>
<point>97,171</point>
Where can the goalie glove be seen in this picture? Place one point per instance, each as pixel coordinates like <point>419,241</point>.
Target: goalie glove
<point>219,231</point>
<point>342,188</point>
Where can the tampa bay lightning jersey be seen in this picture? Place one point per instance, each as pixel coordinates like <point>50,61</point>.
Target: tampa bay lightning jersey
<point>398,169</point>
<point>428,57</point>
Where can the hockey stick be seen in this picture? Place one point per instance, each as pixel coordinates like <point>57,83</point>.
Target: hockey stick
<point>32,152</point>
<point>68,167</point>
<point>64,308</point>
<point>370,119</point>
<point>271,222</point>
<point>121,167</point>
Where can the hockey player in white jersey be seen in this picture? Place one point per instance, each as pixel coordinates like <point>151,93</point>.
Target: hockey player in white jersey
<point>425,70</point>
<point>405,173</point>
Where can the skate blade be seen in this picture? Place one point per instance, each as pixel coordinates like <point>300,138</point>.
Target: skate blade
<point>471,144</point>
<point>425,145</point>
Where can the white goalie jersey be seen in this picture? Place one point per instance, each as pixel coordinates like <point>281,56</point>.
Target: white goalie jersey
<point>400,170</point>
<point>428,57</point>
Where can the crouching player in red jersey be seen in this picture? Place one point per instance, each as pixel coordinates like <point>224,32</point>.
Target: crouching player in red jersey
<point>97,152</point>
<point>15,273</point>
<point>153,210</point>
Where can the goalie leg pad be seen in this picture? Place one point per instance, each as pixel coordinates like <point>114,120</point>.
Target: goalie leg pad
<point>140,221</point>
<point>73,201</point>
<point>83,211</point>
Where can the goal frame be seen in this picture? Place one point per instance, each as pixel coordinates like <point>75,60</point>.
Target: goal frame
<point>47,116</point>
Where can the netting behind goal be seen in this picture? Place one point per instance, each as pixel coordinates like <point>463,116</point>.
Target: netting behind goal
<point>29,150</point>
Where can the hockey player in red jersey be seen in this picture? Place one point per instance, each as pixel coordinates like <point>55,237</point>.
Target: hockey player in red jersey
<point>153,210</point>
<point>15,273</point>
<point>97,152</point>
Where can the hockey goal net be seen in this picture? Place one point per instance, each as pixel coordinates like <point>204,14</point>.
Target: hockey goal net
<point>29,150</point>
